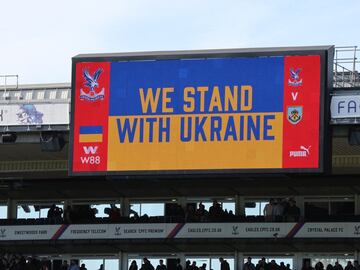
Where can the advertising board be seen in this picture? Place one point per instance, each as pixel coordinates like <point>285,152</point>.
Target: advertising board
<point>231,113</point>
<point>181,231</point>
<point>345,106</point>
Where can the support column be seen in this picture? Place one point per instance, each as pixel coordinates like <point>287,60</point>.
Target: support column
<point>298,260</point>
<point>11,209</point>
<point>236,260</point>
<point>301,204</point>
<point>356,255</point>
<point>239,261</point>
<point>239,205</point>
<point>182,258</point>
<point>124,207</point>
<point>357,204</point>
<point>123,260</point>
<point>182,201</point>
<point>67,203</point>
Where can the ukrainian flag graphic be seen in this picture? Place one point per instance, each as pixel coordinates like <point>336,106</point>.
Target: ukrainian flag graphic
<point>91,134</point>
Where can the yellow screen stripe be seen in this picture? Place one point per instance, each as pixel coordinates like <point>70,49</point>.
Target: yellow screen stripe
<point>90,138</point>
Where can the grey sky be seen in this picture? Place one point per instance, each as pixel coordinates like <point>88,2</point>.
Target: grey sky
<point>38,38</point>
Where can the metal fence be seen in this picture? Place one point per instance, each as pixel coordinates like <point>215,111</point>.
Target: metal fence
<point>346,66</point>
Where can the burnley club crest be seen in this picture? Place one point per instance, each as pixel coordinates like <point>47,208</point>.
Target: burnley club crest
<point>294,114</point>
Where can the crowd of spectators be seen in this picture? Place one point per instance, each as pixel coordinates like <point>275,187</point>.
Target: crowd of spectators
<point>79,214</point>
<point>54,214</point>
<point>10,261</point>
<point>200,214</point>
<point>224,265</point>
<point>146,265</point>
<point>273,265</point>
<point>263,265</point>
<point>277,210</point>
<point>335,266</point>
<point>86,214</point>
<point>282,210</point>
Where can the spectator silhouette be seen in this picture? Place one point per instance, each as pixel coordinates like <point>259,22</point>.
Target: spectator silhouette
<point>268,210</point>
<point>161,265</point>
<point>306,265</point>
<point>147,265</point>
<point>74,265</point>
<point>193,266</point>
<point>338,266</point>
<point>224,265</point>
<point>114,214</point>
<point>215,211</point>
<point>356,265</point>
<point>349,266</point>
<point>133,265</point>
<point>187,265</point>
<point>249,265</point>
<point>178,265</point>
<point>319,266</point>
<point>292,212</point>
<point>190,213</point>
<point>201,213</point>
<point>64,265</point>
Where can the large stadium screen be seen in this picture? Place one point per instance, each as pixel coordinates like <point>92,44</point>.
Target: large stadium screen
<point>200,115</point>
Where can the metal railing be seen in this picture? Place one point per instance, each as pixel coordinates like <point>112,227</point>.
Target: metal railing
<point>4,83</point>
<point>346,66</point>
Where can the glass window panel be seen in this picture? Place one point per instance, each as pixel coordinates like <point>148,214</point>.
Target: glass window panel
<point>100,209</point>
<point>32,214</point>
<point>91,264</point>
<point>111,264</point>
<point>44,211</point>
<point>206,204</point>
<point>229,206</point>
<point>200,261</point>
<point>330,260</point>
<point>135,207</point>
<point>258,210</point>
<point>278,260</point>
<point>3,212</point>
<point>316,209</point>
<point>284,260</point>
<point>155,262</point>
<point>152,209</point>
<point>215,263</point>
<point>342,208</point>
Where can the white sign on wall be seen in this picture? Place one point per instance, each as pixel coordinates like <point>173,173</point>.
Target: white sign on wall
<point>347,106</point>
<point>118,231</point>
<point>329,230</point>
<point>85,231</point>
<point>235,230</point>
<point>179,230</point>
<point>34,114</point>
<point>140,231</point>
<point>23,232</point>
